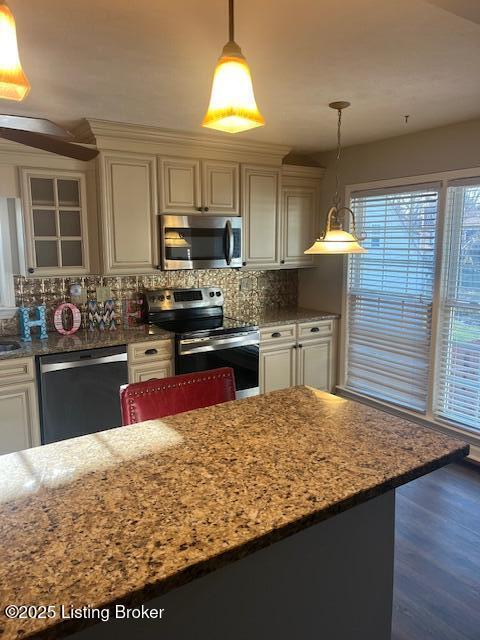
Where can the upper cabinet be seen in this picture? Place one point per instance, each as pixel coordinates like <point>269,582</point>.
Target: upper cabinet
<point>300,203</point>
<point>299,206</point>
<point>128,213</point>
<point>55,212</point>
<point>261,216</point>
<point>102,216</point>
<point>179,185</point>
<point>280,212</point>
<point>220,187</point>
<point>188,186</point>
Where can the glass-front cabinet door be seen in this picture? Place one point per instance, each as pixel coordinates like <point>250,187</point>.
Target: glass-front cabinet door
<point>55,222</point>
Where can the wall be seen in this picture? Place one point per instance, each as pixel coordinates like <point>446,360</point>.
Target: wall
<point>441,149</point>
<point>247,293</point>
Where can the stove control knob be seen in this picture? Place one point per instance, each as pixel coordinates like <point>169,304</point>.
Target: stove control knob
<point>161,298</point>
<point>219,293</point>
<point>169,297</point>
<point>212,294</point>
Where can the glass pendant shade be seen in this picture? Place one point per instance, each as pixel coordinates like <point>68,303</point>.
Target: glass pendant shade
<point>335,239</point>
<point>232,105</point>
<point>13,82</point>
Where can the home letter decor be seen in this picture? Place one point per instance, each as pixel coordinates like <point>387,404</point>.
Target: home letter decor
<point>58,319</point>
<point>26,323</point>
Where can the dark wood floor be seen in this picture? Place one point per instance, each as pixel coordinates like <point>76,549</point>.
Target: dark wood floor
<point>437,564</point>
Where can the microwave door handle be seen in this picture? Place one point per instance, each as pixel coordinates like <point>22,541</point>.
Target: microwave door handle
<point>229,241</point>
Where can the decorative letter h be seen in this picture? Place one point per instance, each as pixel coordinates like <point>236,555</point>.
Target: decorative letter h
<point>26,324</point>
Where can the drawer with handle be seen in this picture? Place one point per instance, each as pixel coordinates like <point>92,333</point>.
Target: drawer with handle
<point>279,333</point>
<point>16,370</point>
<point>317,329</point>
<point>148,351</point>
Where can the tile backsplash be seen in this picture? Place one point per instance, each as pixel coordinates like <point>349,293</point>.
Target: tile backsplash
<point>247,293</point>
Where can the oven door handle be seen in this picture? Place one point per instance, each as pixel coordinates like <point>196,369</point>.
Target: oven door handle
<point>229,242</point>
<point>197,345</point>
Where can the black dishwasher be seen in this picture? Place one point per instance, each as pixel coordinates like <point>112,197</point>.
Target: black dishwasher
<point>79,391</point>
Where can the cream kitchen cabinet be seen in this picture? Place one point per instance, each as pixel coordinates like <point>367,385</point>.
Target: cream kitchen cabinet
<point>315,360</point>
<point>150,359</point>
<point>261,217</point>
<point>19,419</point>
<point>189,186</point>
<point>280,215</point>
<point>299,215</point>
<point>128,195</point>
<point>299,206</point>
<point>297,354</point>
<point>278,367</point>
<point>54,206</point>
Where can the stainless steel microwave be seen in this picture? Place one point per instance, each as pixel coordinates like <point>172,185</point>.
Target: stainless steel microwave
<point>200,242</point>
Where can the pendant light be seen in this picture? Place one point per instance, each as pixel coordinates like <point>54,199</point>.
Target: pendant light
<point>13,82</point>
<point>335,239</point>
<point>232,105</point>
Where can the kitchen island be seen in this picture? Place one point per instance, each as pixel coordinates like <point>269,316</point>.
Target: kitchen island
<point>268,517</point>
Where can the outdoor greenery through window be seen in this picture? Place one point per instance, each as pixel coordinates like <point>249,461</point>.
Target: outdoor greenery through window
<point>458,394</point>
<point>390,293</point>
<point>394,352</point>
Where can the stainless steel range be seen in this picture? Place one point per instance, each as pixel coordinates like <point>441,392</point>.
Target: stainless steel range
<point>204,337</point>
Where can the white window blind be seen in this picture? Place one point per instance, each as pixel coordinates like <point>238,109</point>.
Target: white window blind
<point>457,395</point>
<point>390,294</point>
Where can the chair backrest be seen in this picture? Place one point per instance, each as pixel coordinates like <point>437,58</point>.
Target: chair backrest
<point>157,398</point>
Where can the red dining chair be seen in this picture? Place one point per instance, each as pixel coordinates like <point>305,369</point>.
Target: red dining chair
<point>162,397</point>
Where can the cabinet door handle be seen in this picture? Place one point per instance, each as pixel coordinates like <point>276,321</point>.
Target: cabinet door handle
<point>295,346</point>
<point>276,334</point>
<point>199,209</point>
<point>244,264</point>
<point>315,329</point>
<point>151,352</point>
<point>300,346</point>
<point>31,270</point>
<point>205,208</point>
<point>282,261</point>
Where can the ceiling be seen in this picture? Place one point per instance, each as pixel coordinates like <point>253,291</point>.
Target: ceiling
<point>151,63</point>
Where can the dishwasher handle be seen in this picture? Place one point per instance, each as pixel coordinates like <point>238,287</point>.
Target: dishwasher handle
<point>87,362</point>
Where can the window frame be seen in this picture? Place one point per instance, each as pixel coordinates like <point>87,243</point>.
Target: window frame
<point>12,253</point>
<point>445,178</point>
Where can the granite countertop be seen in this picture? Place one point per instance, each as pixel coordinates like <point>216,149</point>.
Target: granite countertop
<point>126,514</point>
<point>289,315</point>
<point>83,339</point>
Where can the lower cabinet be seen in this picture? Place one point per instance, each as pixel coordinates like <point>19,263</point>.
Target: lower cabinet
<point>314,364</point>
<point>143,372</point>
<point>305,361</point>
<point>277,368</point>
<point>19,419</point>
<point>147,360</point>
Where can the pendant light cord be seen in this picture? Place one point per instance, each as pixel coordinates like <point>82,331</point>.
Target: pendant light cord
<point>336,199</point>
<point>231,33</point>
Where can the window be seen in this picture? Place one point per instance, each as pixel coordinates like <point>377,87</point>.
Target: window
<point>390,294</point>
<point>457,396</point>
<point>412,304</point>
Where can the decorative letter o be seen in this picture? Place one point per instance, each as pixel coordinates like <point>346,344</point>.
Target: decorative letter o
<point>58,319</point>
